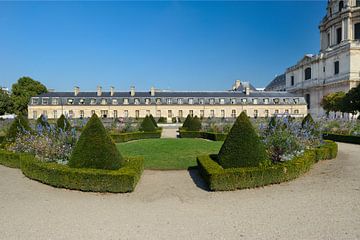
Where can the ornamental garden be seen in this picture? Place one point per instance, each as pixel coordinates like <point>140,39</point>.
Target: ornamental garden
<point>85,155</point>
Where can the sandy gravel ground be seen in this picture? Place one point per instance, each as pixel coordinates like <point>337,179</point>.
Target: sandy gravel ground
<point>323,204</point>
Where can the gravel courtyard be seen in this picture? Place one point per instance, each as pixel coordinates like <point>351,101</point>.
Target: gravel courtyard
<point>323,204</point>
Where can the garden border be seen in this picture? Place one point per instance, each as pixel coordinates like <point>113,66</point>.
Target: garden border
<point>125,137</point>
<point>342,138</point>
<point>200,134</point>
<point>220,179</point>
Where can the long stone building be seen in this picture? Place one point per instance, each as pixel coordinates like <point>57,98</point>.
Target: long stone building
<point>337,66</point>
<point>223,104</point>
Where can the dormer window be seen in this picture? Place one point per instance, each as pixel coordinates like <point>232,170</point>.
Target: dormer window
<point>126,101</point>
<point>276,100</point>
<point>244,100</point>
<point>158,101</point>
<point>254,101</point>
<point>103,101</point>
<point>191,101</point>
<point>82,101</point>
<point>222,101</point>
<point>137,101</point>
<point>180,101</point>
<point>115,101</point>
<point>266,100</point>
<point>45,101</point>
<point>147,101</point>
<point>35,100</point>
<point>168,101</point>
<point>233,101</point>
<point>201,101</point>
<point>212,101</point>
<point>54,101</point>
<point>296,100</point>
<point>93,101</point>
<point>70,101</point>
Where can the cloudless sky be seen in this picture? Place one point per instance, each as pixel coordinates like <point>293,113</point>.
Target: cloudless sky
<point>169,45</point>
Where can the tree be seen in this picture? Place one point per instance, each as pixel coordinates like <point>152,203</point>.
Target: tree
<point>351,101</point>
<point>153,120</point>
<point>195,124</point>
<point>333,102</point>
<point>95,148</point>
<point>22,91</point>
<point>307,121</point>
<point>242,147</point>
<point>187,121</point>
<point>63,123</point>
<point>5,103</point>
<point>20,125</point>
<point>147,125</point>
<point>42,121</point>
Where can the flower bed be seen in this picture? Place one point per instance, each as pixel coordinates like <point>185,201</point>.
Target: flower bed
<point>125,137</point>
<point>206,135</point>
<point>95,180</point>
<point>220,179</point>
<point>342,138</point>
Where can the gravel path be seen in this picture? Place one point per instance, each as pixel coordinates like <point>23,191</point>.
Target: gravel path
<point>323,204</point>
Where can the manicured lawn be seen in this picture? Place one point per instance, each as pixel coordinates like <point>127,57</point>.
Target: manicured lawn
<point>169,153</point>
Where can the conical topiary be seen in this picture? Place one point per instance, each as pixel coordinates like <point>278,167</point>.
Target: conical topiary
<point>147,125</point>
<point>63,123</point>
<point>42,121</point>
<point>95,148</point>
<point>272,122</point>
<point>153,120</point>
<point>195,124</point>
<point>242,147</point>
<point>307,121</point>
<point>187,121</point>
<point>20,125</point>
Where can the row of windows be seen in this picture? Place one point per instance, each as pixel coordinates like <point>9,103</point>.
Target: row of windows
<point>339,36</point>
<point>211,101</point>
<point>105,113</point>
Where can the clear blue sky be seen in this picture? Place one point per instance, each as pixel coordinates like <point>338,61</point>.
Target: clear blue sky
<point>173,45</point>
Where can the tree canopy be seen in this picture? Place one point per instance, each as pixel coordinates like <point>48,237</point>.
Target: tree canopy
<point>5,103</point>
<point>333,102</point>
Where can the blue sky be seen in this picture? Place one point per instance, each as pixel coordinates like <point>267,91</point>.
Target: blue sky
<point>169,45</point>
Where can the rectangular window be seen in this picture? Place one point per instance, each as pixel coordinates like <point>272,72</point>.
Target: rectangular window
<point>126,113</point>
<point>54,101</point>
<point>357,3</point>
<point>212,101</point>
<point>256,113</point>
<point>137,101</point>
<point>158,101</point>
<point>292,80</point>
<point>180,101</point>
<point>169,113</point>
<point>286,111</point>
<point>296,111</point>
<point>357,31</point>
<point>44,113</point>
<point>191,101</point>
<point>328,39</point>
<point>244,100</point>
<point>35,101</point>
<point>147,101</point>
<point>336,67</point>
<point>307,99</point>
<point>93,101</point>
<point>34,114</point>
<point>114,101</point>
<point>222,101</point>
<point>233,113</point>
<point>168,101</point>
<point>233,101</point>
<point>212,113</point>
<point>276,111</point>
<point>147,112</point>
<point>338,35</point>
<point>266,100</point>
<point>82,114</point>
<point>126,101</point>
<point>104,113</point>
<point>222,113</point>
<point>158,113</point>
<point>71,114</point>
<point>266,113</point>
<point>191,113</point>
<point>201,101</point>
<point>55,114</point>
<point>45,101</point>
<point>115,113</point>
<point>254,101</point>
<point>180,113</point>
<point>137,113</point>
<point>202,113</point>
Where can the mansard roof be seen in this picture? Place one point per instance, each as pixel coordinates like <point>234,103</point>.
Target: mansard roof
<point>276,82</point>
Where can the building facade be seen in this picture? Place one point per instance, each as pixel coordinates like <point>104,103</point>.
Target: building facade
<point>168,104</point>
<point>337,66</point>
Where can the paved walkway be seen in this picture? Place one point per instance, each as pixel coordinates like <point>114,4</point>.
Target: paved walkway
<point>169,132</point>
<point>322,204</point>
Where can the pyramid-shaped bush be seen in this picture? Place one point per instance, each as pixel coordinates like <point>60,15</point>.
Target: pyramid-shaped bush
<point>187,121</point>
<point>42,121</point>
<point>307,121</point>
<point>95,148</point>
<point>195,124</point>
<point>63,123</point>
<point>153,120</point>
<point>242,147</point>
<point>19,125</point>
<point>147,125</point>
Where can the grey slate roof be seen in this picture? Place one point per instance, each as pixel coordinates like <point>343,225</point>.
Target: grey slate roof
<point>278,82</point>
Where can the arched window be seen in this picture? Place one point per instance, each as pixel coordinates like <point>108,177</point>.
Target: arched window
<point>341,5</point>
<point>307,73</point>
<point>357,31</point>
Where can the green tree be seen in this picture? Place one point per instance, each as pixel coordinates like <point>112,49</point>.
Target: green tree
<point>307,121</point>
<point>5,103</point>
<point>95,148</point>
<point>351,101</point>
<point>63,123</point>
<point>333,102</point>
<point>147,125</point>
<point>22,91</point>
<point>42,120</point>
<point>153,120</point>
<point>195,124</point>
<point>187,121</point>
<point>20,125</point>
<point>242,147</point>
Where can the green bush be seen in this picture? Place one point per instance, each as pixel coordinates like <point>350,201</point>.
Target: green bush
<point>206,135</point>
<point>147,125</point>
<point>125,137</point>
<point>342,138</point>
<point>187,121</point>
<point>308,120</point>
<point>242,147</point>
<point>42,121</point>
<point>162,120</point>
<point>195,124</point>
<point>220,179</point>
<point>10,159</point>
<point>153,120</point>
<point>95,180</point>
<point>63,123</point>
<point>18,126</point>
<point>95,148</point>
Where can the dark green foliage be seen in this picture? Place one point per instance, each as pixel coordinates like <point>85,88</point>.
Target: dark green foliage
<point>206,135</point>
<point>42,121</point>
<point>63,123</point>
<point>342,138</point>
<point>220,179</point>
<point>242,147</point>
<point>10,159</point>
<point>22,91</point>
<point>272,122</point>
<point>95,148</point>
<point>187,121</point>
<point>125,137</point>
<point>153,120</point>
<point>147,125</point>
<point>195,124</point>
<point>307,121</point>
<point>162,120</point>
<point>6,105</point>
<point>19,126</point>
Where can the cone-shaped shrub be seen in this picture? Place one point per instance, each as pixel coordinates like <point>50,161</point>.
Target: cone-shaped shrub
<point>19,125</point>
<point>95,148</point>
<point>42,120</point>
<point>307,121</point>
<point>242,147</point>
<point>147,125</point>
<point>187,121</point>
<point>63,123</point>
<point>272,122</point>
<point>153,120</point>
<point>195,124</point>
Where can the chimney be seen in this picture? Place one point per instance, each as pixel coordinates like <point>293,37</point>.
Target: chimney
<point>132,91</point>
<point>152,91</point>
<point>99,91</point>
<point>112,91</point>
<point>247,91</point>
<point>76,91</point>
<point>237,84</point>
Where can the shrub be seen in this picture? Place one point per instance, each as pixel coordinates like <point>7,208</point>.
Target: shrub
<point>147,125</point>
<point>10,159</point>
<point>242,147</point>
<point>153,120</point>
<point>95,148</point>
<point>42,121</point>
<point>307,121</point>
<point>174,120</point>
<point>187,121</point>
<point>125,137</point>
<point>342,138</point>
<point>19,126</point>
<point>195,124</point>
<point>63,123</point>
<point>206,135</point>
<point>162,120</point>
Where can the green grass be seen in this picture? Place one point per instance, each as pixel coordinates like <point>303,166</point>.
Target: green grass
<point>169,154</point>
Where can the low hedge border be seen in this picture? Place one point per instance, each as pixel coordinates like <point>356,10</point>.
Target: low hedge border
<point>62,176</point>
<point>125,137</point>
<point>220,179</point>
<point>206,135</point>
<point>342,138</point>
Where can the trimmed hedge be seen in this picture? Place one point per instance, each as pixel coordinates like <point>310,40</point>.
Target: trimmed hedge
<point>206,135</point>
<point>220,179</point>
<point>125,137</point>
<point>342,138</point>
<point>84,179</point>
